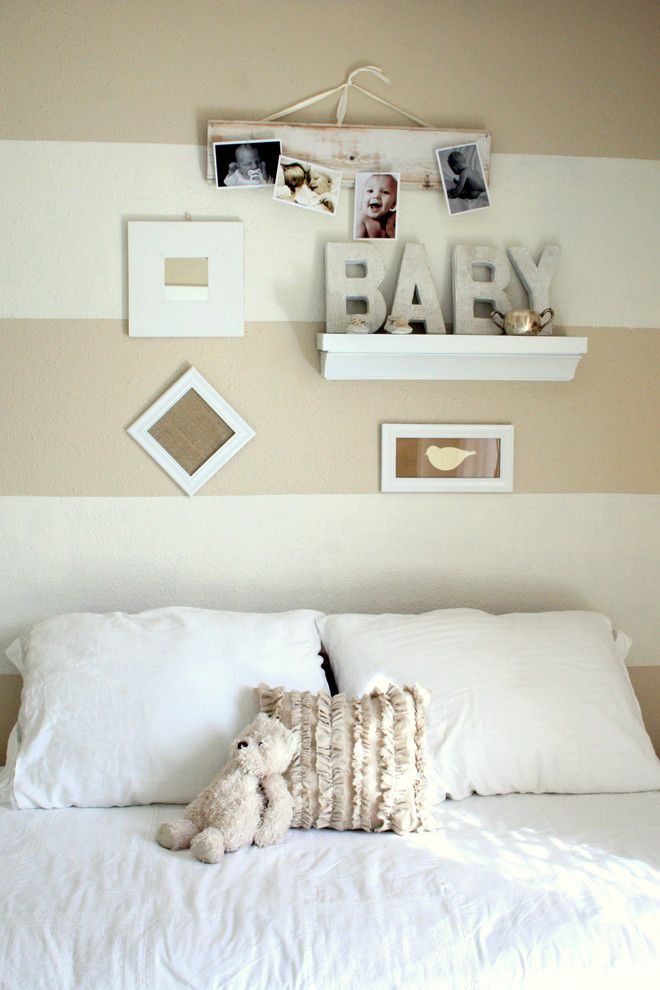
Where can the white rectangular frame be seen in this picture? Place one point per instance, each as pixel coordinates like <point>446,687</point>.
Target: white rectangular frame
<point>390,483</point>
<point>139,430</point>
<point>150,314</point>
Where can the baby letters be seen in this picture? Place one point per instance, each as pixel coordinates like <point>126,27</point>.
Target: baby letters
<point>355,272</point>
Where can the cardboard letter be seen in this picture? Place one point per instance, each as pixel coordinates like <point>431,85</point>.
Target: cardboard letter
<point>339,287</point>
<point>536,278</point>
<point>467,291</point>
<point>415,276</point>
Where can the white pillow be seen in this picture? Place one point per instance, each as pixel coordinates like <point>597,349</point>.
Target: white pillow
<point>519,703</point>
<point>122,709</point>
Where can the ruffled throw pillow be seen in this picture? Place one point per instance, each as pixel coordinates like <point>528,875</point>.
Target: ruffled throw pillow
<point>361,762</point>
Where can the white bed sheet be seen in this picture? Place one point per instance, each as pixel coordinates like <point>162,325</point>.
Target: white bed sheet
<point>529,892</point>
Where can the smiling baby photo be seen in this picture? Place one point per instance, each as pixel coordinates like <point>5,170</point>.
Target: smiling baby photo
<point>376,199</point>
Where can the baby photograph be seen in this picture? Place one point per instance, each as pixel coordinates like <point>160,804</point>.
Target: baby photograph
<point>245,164</point>
<point>376,200</point>
<point>463,178</point>
<point>314,187</point>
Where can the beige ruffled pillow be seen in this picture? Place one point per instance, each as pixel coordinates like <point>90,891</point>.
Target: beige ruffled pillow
<point>361,762</point>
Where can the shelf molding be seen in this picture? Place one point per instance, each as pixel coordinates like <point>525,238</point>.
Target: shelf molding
<point>364,357</point>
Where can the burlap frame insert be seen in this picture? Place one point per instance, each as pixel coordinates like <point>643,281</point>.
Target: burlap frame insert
<point>191,431</point>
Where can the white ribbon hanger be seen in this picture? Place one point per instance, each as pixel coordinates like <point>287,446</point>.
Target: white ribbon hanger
<point>343,89</point>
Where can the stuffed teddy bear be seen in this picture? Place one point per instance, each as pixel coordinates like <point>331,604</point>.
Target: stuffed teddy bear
<point>247,802</point>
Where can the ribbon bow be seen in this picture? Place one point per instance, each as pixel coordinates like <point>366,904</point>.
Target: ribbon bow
<point>343,89</point>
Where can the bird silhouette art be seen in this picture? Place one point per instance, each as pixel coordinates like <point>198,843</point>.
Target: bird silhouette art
<point>447,458</point>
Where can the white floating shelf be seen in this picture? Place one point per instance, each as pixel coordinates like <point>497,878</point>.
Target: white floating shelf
<point>449,356</point>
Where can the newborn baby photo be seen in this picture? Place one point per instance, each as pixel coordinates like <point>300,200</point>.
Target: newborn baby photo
<point>245,164</point>
<point>376,198</point>
<point>463,178</point>
<point>314,187</point>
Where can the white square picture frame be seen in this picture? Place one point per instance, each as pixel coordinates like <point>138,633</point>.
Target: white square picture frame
<point>242,432</point>
<point>150,313</point>
<point>433,467</point>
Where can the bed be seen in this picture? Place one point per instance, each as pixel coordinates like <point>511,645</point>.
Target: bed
<point>543,872</point>
<point>511,892</point>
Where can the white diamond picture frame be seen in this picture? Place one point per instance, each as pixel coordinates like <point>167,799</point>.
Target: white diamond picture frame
<point>151,313</point>
<point>196,427</point>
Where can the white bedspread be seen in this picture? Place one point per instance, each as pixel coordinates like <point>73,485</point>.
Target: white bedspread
<point>512,892</point>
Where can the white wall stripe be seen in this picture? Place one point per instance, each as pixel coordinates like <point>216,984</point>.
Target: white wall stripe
<point>335,553</point>
<point>64,207</point>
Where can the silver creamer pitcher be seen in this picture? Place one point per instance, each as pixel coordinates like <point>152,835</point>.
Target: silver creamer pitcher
<point>522,322</point>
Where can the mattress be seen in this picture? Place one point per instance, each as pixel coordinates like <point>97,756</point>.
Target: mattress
<point>520,891</point>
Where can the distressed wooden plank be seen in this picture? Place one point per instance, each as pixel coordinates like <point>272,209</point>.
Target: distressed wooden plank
<point>407,150</point>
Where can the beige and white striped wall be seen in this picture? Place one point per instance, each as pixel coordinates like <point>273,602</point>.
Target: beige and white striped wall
<point>103,121</point>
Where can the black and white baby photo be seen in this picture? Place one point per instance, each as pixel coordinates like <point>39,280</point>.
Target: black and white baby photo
<point>463,178</point>
<point>306,184</point>
<point>245,164</point>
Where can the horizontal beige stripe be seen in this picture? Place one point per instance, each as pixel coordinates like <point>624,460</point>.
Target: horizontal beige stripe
<point>645,680</point>
<point>545,78</point>
<point>10,699</point>
<point>71,389</point>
